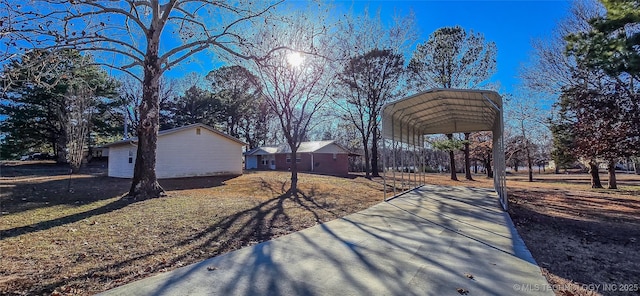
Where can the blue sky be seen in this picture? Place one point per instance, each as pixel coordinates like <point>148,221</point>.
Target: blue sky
<point>512,25</point>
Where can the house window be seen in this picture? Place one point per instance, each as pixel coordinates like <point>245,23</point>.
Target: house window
<point>298,159</point>
<point>130,156</point>
<point>265,161</point>
<point>197,131</point>
<point>335,156</point>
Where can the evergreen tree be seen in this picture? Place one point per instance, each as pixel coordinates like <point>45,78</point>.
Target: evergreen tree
<point>195,106</point>
<point>37,110</point>
<point>244,112</point>
<point>561,153</point>
<point>603,109</point>
<point>453,58</point>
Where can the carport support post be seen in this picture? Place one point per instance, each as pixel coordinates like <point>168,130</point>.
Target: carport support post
<point>401,159</point>
<point>409,182</point>
<point>421,159</point>
<point>393,147</point>
<point>415,159</point>
<point>424,163</point>
<point>384,171</point>
<point>384,166</point>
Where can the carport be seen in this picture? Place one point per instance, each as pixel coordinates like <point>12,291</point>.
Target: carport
<point>406,122</point>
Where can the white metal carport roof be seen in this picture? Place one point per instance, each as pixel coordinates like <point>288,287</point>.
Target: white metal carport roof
<point>442,111</point>
<point>447,111</point>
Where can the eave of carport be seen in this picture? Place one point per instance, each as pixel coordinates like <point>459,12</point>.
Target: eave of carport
<point>445,111</point>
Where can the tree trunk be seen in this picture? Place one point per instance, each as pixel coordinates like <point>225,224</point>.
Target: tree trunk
<point>595,177</point>
<point>488,166</point>
<point>374,154</point>
<point>529,162</point>
<point>452,161</point>
<point>61,149</point>
<point>145,184</point>
<point>293,190</point>
<point>475,166</point>
<point>613,184</point>
<point>467,161</point>
<point>367,169</point>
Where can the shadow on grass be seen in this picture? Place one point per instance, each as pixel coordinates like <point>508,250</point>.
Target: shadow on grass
<point>194,182</point>
<point>22,196</point>
<point>264,221</point>
<point>44,225</point>
<point>378,249</point>
<point>600,250</point>
<point>29,196</point>
<point>581,205</point>
<point>31,168</point>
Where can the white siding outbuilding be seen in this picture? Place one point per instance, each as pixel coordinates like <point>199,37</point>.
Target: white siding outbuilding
<point>188,151</point>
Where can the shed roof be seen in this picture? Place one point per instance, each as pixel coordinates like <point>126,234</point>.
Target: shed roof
<point>305,147</point>
<point>441,111</point>
<point>177,129</point>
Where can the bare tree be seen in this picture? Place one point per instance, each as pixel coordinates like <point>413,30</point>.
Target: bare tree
<point>372,74</point>
<point>79,117</point>
<point>295,82</point>
<point>367,82</point>
<point>596,106</point>
<point>144,38</point>
<point>467,157</point>
<point>453,58</point>
<point>481,148</point>
<point>525,115</point>
<point>549,69</point>
<point>130,97</point>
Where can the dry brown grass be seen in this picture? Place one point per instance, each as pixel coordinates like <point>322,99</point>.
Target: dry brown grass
<point>86,240</point>
<point>581,237</point>
<point>89,240</point>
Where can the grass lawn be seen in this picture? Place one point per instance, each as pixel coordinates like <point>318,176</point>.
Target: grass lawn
<point>75,236</point>
<point>581,236</point>
<point>88,240</point>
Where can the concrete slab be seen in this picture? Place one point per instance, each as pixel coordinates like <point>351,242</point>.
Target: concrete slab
<point>420,243</point>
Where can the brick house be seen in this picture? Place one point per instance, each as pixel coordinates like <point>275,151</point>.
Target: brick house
<point>324,157</point>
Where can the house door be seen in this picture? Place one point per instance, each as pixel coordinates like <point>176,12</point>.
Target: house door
<point>272,162</point>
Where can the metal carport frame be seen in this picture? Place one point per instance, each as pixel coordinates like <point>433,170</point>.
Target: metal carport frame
<point>444,111</point>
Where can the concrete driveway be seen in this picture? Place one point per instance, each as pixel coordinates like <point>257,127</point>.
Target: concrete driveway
<point>435,240</point>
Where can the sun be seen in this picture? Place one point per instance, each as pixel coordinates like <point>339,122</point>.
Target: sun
<point>295,59</point>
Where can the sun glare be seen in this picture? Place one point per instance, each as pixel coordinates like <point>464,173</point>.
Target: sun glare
<point>295,59</point>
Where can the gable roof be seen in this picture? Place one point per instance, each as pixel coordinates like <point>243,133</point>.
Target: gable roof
<point>441,111</point>
<point>178,129</point>
<point>305,147</point>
